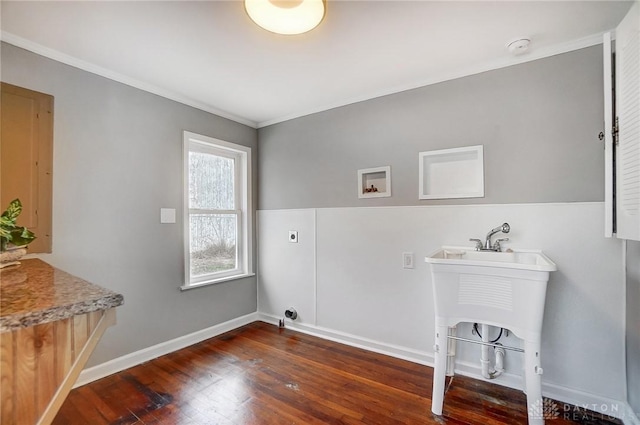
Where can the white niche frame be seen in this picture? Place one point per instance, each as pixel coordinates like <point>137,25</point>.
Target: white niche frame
<point>380,177</point>
<point>452,173</point>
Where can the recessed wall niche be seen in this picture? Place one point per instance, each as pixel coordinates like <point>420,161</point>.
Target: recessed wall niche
<point>452,173</point>
<point>374,182</point>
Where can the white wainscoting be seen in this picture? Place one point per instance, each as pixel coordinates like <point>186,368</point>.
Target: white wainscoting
<point>349,284</point>
<point>289,268</point>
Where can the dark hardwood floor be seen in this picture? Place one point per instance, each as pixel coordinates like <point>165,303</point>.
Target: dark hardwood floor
<point>259,374</point>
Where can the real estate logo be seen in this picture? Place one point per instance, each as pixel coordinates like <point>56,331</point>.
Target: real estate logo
<point>544,409</point>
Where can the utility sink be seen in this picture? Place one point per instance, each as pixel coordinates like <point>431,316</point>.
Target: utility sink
<point>520,259</point>
<point>502,289</point>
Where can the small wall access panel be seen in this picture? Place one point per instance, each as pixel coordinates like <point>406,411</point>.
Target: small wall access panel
<point>452,173</point>
<point>374,182</point>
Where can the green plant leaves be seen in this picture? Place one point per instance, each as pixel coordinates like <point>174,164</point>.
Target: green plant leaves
<point>21,236</point>
<point>9,232</point>
<point>5,226</point>
<point>13,210</point>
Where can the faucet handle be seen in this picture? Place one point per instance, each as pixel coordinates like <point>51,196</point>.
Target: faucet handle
<point>496,244</point>
<point>478,243</point>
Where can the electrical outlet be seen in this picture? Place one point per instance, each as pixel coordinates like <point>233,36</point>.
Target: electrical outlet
<point>407,260</point>
<point>293,236</point>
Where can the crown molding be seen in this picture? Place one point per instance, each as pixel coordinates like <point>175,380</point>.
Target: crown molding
<point>115,76</point>
<point>542,53</point>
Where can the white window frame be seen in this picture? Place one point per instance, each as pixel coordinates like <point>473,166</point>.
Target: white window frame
<point>193,142</point>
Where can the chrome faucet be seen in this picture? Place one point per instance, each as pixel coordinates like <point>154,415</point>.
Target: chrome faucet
<point>487,246</point>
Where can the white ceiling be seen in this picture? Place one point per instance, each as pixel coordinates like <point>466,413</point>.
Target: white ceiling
<point>210,55</point>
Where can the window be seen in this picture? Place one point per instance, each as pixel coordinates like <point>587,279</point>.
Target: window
<point>217,206</point>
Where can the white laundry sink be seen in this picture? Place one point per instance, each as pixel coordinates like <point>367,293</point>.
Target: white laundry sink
<point>502,289</point>
<point>520,259</point>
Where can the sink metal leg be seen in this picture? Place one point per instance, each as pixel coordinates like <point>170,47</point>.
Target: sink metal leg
<point>440,369</point>
<point>533,382</point>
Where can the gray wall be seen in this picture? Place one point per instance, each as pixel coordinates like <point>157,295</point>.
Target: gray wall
<point>538,123</point>
<point>117,161</point>
<point>633,325</point>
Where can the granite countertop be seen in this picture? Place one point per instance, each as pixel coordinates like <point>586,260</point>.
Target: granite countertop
<point>36,292</point>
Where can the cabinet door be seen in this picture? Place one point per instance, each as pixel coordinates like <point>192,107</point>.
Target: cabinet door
<point>26,153</point>
<point>627,70</point>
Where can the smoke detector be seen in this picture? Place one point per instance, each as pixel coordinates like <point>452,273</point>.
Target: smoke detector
<point>519,45</point>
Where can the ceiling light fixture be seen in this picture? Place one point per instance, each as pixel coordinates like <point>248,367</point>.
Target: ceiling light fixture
<point>288,17</point>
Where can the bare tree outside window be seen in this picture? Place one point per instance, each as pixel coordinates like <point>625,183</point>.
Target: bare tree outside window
<point>213,236</point>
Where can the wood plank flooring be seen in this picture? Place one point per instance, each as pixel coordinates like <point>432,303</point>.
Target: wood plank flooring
<point>260,374</point>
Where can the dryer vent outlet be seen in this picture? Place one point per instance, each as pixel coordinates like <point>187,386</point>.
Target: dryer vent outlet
<point>291,313</point>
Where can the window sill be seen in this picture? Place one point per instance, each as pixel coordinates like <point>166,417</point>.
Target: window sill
<point>215,281</point>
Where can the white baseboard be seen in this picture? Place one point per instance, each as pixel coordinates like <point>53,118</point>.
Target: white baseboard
<point>599,404</point>
<point>397,351</point>
<point>121,363</point>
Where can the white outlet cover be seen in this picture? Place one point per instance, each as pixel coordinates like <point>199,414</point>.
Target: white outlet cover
<point>293,236</point>
<point>167,215</point>
<point>407,260</point>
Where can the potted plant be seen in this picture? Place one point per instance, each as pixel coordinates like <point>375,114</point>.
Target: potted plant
<point>13,238</point>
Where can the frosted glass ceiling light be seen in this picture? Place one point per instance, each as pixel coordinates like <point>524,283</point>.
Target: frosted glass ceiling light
<point>287,17</point>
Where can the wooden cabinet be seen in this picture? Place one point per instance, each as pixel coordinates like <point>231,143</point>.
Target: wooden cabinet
<point>26,156</point>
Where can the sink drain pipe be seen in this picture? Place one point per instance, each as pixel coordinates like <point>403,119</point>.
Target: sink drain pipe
<point>484,357</point>
<point>499,351</point>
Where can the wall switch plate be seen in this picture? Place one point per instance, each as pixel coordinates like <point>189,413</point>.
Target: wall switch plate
<point>407,260</point>
<point>167,215</point>
<point>293,236</point>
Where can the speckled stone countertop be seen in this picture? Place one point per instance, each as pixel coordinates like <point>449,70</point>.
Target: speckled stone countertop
<point>35,293</point>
